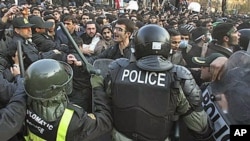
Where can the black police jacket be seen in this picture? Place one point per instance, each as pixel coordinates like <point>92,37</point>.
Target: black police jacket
<point>82,126</point>
<point>30,52</point>
<point>44,43</point>
<point>148,103</point>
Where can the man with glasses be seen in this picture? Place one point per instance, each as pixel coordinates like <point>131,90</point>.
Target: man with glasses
<point>122,31</point>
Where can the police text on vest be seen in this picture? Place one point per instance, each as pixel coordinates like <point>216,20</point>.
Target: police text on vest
<point>151,78</point>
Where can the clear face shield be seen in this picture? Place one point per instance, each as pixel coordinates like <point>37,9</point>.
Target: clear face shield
<point>232,92</point>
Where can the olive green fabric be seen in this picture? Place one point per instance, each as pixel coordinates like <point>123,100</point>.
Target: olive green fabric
<point>51,109</point>
<point>96,81</point>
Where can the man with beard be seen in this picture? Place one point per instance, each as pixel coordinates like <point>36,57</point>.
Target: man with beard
<point>90,38</point>
<point>226,39</point>
<point>106,41</point>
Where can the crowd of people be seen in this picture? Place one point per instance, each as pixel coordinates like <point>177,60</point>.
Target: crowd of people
<point>163,59</point>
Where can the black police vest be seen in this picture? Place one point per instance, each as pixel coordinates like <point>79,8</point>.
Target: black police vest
<point>41,130</point>
<point>143,107</point>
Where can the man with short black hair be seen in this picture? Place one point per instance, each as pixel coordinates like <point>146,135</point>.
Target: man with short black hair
<point>90,38</point>
<point>122,31</point>
<point>36,11</point>
<point>226,37</point>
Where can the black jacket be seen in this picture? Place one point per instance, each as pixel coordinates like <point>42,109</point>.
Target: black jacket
<point>13,114</point>
<point>30,52</point>
<point>44,43</point>
<point>215,48</point>
<point>112,53</point>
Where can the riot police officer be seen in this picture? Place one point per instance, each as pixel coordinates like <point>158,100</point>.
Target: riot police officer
<point>49,114</point>
<point>149,94</point>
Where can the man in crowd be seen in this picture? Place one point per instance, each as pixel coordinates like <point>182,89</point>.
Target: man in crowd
<point>226,38</point>
<point>90,38</point>
<point>122,31</point>
<point>106,41</point>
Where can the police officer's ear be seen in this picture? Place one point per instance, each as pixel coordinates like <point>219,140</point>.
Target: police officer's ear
<point>17,30</point>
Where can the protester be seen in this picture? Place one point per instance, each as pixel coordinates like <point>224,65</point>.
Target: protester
<point>90,38</point>
<point>226,37</point>
<point>106,41</point>
<point>70,24</point>
<point>175,55</point>
<point>82,91</point>
<point>122,31</point>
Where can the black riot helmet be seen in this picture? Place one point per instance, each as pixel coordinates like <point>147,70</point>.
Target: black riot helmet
<point>46,78</point>
<point>151,39</point>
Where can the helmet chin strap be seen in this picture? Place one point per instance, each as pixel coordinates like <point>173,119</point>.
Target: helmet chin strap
<point>51,109</point>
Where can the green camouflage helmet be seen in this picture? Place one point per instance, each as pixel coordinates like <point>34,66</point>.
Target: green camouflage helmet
<point>46,78</point>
